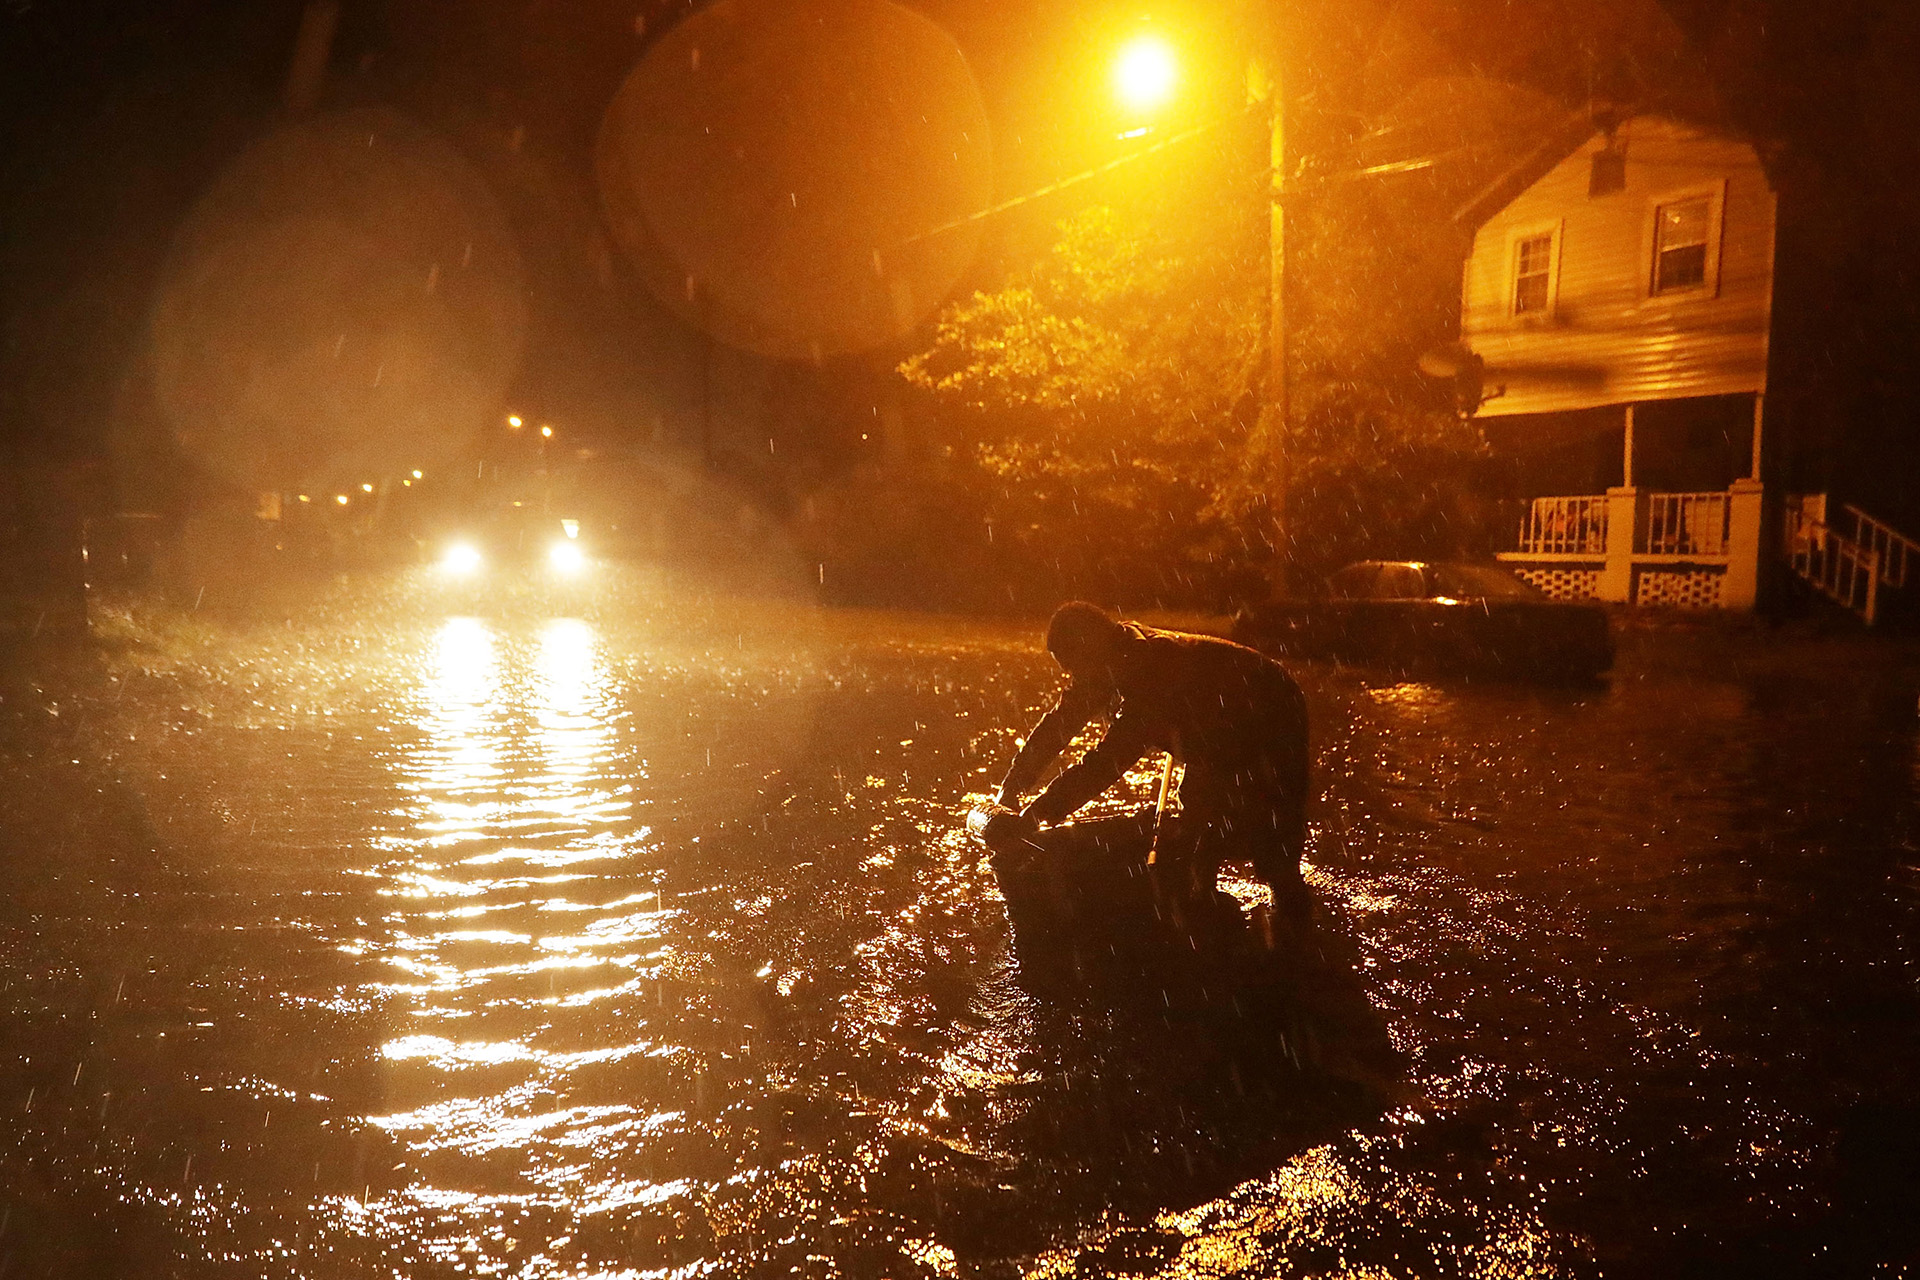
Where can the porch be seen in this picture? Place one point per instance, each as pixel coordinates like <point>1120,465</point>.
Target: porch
<point>1636,546</point>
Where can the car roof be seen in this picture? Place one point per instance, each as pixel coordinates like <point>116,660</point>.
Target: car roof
<point>1363,570</point>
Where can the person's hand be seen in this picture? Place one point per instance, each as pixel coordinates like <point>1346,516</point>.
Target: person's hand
<point>1004,832</point>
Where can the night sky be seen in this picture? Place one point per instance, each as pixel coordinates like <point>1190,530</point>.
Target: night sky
<point>118,116</point>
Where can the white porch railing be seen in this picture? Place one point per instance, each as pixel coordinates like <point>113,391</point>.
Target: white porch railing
<point>1673,524</point>
<point>1893,550</point>
<point>1836,565</point>
<point>1634,546</point>
<point>1704,548</point>
<point>1573,525</point>
<point>1684,524</point>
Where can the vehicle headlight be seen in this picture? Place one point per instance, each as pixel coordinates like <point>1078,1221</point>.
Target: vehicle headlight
<point>461,558</point>
<point>566,557</point>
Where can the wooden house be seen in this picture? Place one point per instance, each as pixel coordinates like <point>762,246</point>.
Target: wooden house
<point>1620,293</point>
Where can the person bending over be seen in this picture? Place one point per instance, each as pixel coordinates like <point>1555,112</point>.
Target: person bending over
<point>1234,717</point>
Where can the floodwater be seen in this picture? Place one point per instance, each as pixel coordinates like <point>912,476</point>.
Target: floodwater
<point>645,941</point>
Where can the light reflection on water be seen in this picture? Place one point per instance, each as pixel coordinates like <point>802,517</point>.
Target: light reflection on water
<point>514,790</point>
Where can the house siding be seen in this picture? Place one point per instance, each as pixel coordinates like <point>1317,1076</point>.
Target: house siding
<point>1606,339</point>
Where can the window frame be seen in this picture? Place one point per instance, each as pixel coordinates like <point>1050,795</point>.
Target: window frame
<point>1516,236</point>
<point>1715,194</point>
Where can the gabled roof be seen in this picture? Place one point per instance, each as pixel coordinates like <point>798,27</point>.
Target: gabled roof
<point>1568,137</point>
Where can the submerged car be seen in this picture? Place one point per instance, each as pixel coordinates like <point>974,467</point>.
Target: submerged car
<point>1417,615</point>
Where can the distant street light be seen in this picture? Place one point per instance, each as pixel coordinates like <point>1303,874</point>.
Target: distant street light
<point>1145,73</point>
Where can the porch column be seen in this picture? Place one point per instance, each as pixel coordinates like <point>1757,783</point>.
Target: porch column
<point>1626,512</point>
<point>1626,453</point>
<point>1741,587</point>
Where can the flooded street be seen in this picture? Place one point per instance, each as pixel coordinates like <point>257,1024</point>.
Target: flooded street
<point>648,941</point>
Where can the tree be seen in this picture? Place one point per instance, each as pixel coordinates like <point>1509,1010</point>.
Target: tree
<point>1108,399</point>
<point>1102,400</point>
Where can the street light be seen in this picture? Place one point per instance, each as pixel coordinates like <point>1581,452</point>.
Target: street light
<point>1145,72</point>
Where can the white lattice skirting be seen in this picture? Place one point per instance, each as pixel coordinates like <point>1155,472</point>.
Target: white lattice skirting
<point>1563,584</point>
<point>1680,588</point>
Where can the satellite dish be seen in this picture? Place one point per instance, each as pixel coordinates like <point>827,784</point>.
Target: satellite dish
<point>1454,363</point>
<point>1445,361</point>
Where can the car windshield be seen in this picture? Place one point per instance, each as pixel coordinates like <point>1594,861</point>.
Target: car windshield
<point>1471,581</point>
<point>1355,582</point>
<point>1399,582</point>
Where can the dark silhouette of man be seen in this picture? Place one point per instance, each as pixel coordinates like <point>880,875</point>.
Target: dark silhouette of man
<point>1234,717</point>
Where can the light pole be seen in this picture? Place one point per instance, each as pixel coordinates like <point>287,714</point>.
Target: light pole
<point>1264,86</point>
<point>1145,74</point>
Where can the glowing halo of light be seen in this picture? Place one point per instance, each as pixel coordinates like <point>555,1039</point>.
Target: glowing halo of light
<point>461,559</point>
<point>769,168</point>
<point>345,299</point>
<point>1145,72</point>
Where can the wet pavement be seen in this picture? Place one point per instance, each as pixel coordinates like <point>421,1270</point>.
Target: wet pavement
<point>642,938</point>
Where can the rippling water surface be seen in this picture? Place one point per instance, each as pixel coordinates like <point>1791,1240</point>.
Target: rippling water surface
<point>645,942</point>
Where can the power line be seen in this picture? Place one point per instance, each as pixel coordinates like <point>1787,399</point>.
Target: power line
<point>1064,183</point>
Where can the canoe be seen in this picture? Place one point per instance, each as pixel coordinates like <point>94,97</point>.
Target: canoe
<point>1087,886</point>
<point>1089,920</point>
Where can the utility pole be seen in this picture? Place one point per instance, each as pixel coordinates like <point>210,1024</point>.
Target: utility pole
<point>1266,85</point>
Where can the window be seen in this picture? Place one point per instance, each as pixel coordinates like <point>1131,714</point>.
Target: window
<point>1681,234</point>
<point>1533,274</point>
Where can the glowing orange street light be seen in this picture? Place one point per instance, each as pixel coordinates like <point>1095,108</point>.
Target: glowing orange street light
<point>1145,73</point>
<point>546,432</point>
<point>513,420</point>
<point>340,498</point>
